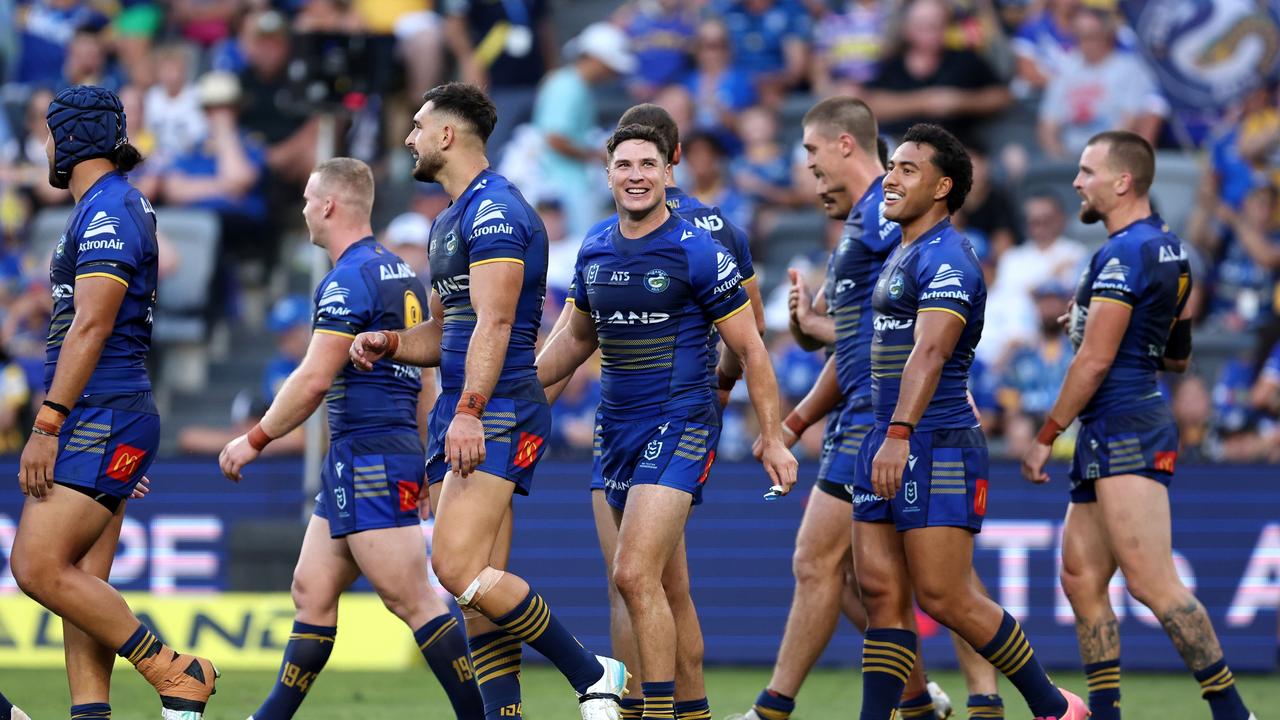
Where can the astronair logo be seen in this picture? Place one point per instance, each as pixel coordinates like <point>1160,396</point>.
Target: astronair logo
<point>1114,270</point>
<point>499,229</point>
<point>947,276</point>
<point>632,318</point>
<point>101,224</point>
<point>945,295</point>
<point>489,211</point>
<point>725,266</point>
<point>884,322</point>
<point>334,294</point>
<point>105,244</point>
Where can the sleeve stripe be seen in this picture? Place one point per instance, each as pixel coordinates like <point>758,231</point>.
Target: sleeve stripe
<point>339,333</point>
<point>477,263</point>
<point>117,278</point>
<point>963,319</point>
<point>1100,298</point>
<point>574,305</point>
<point>741,307</point>
<point>744,281</point>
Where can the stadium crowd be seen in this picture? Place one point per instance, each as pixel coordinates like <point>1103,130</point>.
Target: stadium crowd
<point>208,89</point>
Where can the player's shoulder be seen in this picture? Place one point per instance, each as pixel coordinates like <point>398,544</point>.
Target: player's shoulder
<point>949,246</point>
<point>692,238</point>
<point>495,198</point>
<point>604,226</point>
<point>598,238</point>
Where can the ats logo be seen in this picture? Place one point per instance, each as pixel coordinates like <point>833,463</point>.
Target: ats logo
<point>1164,461</point>
<point>408,491</point>
<point>980,497</point>
<point>125,462</point>
<point>527,450</point>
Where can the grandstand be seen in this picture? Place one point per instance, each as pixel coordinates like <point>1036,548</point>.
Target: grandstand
<point>234,101</point>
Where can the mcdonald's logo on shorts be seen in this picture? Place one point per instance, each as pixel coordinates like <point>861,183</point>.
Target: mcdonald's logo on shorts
<point>1164,461</point>
<point>527,450</point>
<point>408,494</point>
<point>980,497</point>
<point>125,462</point>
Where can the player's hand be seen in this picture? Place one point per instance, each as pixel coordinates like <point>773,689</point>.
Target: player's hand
<point>887,467</point>
<point>789,439</point>
<point>799,300</point>
<point>1034,461</point>
<point>464,444</point>
<point>141,489</point>
<point>780,465</point>
<point>367,349</point>
<point>35,473</point>
<point>235,456</point>
<point>1065,318</point>
<point>424,499</point>
<point>722,396</point>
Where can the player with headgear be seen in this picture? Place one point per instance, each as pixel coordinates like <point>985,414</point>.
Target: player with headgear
<point>1130,320</point>
<point>920,482</point>
<point>488,254</point>
<point>366,518</point>
<point>98,430</point>
<point>648,290</point>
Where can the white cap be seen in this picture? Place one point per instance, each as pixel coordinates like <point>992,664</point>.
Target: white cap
<point>409,229</point>
<point>608,44</point>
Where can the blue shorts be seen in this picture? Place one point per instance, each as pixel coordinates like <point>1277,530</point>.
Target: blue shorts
<point>371,482</point>
<point>1142,443</point>
<point>674,451</point>
<point>107,446</point>
<point>943,485</point>
<point>515,432</point>
<point>840,444</point>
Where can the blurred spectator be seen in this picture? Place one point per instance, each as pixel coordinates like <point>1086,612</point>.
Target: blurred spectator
<point>28,172</point>
<point>704,158</point>
<point>86,62</point>
<point>661,33</point>
<point>1045,254</point>
<point>926,82</point>
<point>47,28</point>
<point>1239,153</point>
<point>419,33</point>
<point>204,22</point>
<point>988,216</point>
<point>1043,43</point>
<point>763,170</point>
<point>408,236</point>
<point>722,89</point>
<point>328,16</point>
<point>132,30</point>
<point>1264,395</point>
<point>565,114</point>
<point>1193,412</point>
<point>1099,87</point>
<point>172,106</point>
<point>506,47</point>
<point>770,43</point>
<point>562,249</point>
<point>226,174</point>
<point>15,405</point>
<point>1244,279</point>
<point>847,47</point>
<point>1034,372</point>
<point>287,132</point>
<point>573,417</point>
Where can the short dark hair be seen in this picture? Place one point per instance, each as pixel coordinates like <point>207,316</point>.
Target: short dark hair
<point>949,156</point>
<point>656,117</point>
<point>638,132</point>
<point>882,150</point>
<point>846,115</point>
<point>1131,153</point>
<point>467,103</point>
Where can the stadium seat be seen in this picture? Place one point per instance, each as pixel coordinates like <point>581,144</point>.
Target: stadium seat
<point>1174,191</point>
<point>796,232</point>
<point>45,231</point>
<point>180,321</point>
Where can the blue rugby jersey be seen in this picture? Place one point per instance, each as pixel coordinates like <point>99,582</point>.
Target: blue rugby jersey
<point>938,272</point>
<point>489,222</point>
<point>852,270</point>
<point>368,289</point>
<point>654,301</point>
<point>111,233</point>
<point>1144,267</point>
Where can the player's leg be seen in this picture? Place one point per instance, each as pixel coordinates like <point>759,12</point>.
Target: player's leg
<point>940,559</point>
<point>89,663</point>
<point>1135,510</point>
<point>393,561</point>
<point>620,635</point>
<point>1087,568</point>
<point>53,534</point>
<point>469,518</point>
<point>889,643</point>
<point>325,569</point>
<point>649,531</point>
<point>981,678</point>
<point>691,688</point>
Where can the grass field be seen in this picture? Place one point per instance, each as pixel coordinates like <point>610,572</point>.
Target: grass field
<point>829,694</point>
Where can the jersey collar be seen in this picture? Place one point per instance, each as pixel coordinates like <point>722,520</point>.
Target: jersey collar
<point>100,183</point>
<point>466,194</point>
<point>1153,220</point>
<point>366,241</point>
<point>678,199</point>
<point>628,246</point>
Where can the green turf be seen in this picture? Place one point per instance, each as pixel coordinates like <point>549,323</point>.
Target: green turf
<point>829,694</point>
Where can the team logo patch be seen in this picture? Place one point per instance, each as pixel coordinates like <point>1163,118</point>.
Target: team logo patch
<point>451,243</point>
<point>896,285</point>
<point>706,469</point>
<point>653,450</point>
<point>910,493</point>
<point>340,497</point>
<point>334,294</point>
<point>125,462</point>
<point>101,224</point>
<point>489,211</point>
<point>527,449</point>
<point>592,271</point>
<point>980,497</point>
<point>1165,461</point>
<point>408,491</point>
<point>656,280</point>
<point>725,266</point>
<point>62,243</point>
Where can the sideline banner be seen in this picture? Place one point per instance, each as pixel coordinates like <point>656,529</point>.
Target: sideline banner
<point>1226,523</point>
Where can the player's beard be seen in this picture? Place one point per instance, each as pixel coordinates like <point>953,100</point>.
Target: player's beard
<point>1089,214</point>
<point>429,166</point>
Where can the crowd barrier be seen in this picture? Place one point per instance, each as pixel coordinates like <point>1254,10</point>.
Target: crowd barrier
<point>174,563</point>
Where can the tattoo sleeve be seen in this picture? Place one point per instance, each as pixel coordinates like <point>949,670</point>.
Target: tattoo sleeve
<point>1099,640</point>
<point>1192,634</point>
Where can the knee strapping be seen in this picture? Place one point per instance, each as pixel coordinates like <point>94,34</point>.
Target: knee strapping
<point>470,615</point>
<point>484,582</point>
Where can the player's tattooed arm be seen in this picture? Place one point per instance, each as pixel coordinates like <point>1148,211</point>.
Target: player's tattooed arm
<point>1192,634</point>
<point>1099,640</point>
<point>566,351</point>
